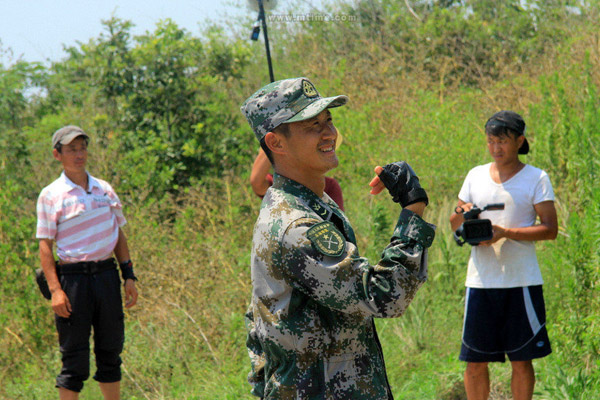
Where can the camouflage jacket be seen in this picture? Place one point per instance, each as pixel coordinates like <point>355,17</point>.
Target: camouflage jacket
<point>310,323</point>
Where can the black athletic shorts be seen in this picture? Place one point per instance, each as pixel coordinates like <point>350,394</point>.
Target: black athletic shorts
<point>501,322</point>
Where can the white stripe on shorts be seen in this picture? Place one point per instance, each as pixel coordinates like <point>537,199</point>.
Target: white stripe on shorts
<point>466,304</point>
<point>534,322</point>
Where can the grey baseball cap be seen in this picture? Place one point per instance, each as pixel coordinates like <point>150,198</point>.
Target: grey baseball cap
<point>66,134</point>
<point>288,100</point>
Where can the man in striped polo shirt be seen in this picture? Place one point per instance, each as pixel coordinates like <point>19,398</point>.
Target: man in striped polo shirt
<point>83,216</point>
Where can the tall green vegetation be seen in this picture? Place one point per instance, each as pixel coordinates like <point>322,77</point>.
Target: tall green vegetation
<point>163,110</point>
<point>162,99</point>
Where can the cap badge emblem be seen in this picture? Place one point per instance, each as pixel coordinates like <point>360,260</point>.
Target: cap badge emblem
<point>308,89</point>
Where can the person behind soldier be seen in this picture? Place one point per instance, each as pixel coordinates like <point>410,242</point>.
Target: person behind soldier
<point>311,333</point>
<point>504,312</point>
<point>83,216</point>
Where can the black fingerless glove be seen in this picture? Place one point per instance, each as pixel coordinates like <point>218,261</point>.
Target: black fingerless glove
<point>403,184</point>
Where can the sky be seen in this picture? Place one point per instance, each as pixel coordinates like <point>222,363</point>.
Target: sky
<point>36,30</point>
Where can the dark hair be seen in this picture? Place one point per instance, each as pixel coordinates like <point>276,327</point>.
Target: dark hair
<point>496,130</point>
<point>283,129</point>
<point>59,145</point>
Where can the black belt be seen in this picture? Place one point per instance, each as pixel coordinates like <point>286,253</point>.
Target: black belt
<point>86,267</point>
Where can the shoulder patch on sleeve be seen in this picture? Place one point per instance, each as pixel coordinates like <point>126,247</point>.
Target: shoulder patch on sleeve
<point>326,239</point>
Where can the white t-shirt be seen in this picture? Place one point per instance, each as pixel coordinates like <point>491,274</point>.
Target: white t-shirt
<point>507,263</point>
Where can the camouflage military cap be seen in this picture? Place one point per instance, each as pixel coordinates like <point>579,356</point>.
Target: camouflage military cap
<point>288,100</point>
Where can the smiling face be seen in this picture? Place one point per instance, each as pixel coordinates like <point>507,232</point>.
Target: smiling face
<point>504,149</point>
<point>310,146</point>
<point>73,156</point>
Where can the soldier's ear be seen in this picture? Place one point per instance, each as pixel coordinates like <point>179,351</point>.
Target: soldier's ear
<point>275,142</point>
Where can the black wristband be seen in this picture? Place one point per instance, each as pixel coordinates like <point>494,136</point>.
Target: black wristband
<point>462,210</point>
<point>127,270</point>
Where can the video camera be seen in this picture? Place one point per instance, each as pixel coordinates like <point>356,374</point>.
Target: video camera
<point>474,230</point>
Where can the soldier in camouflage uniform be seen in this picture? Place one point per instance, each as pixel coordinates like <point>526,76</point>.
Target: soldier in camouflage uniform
<point>311,333</point>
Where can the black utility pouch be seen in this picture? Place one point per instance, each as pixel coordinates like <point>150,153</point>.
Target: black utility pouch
<point>40,278</point>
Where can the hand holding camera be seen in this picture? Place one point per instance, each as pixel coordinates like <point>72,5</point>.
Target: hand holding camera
<point>474,231</point>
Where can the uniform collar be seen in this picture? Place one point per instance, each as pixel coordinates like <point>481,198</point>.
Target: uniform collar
<point>69,185</point>
<point>327,210</point>
<point>323,206</point>
<point>290,186</point>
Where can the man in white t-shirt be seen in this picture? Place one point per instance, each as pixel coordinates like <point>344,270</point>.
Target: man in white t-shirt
<point>504,310</point>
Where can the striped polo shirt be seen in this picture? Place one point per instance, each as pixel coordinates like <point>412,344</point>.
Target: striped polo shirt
<point>84,225</point>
